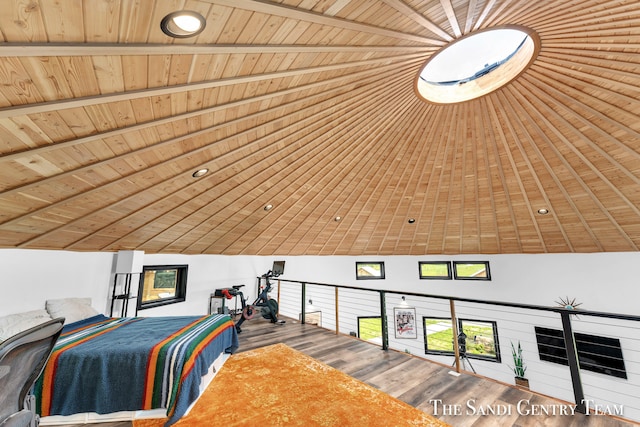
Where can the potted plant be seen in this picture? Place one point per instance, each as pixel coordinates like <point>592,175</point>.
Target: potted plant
<point>518,366</point>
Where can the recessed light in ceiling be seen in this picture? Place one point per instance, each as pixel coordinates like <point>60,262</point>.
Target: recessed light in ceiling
<point>543,211</point>
<point>411,220</point>
<point>337,218</point>
<point>268,207</point>
<point>477,64</point>
<point>200,172</point>
<point>182,24</point>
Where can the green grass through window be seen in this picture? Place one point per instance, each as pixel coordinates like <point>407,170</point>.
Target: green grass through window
<point>369,328</point>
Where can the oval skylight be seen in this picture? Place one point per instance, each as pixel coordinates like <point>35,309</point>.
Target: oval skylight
<point>477,64</point>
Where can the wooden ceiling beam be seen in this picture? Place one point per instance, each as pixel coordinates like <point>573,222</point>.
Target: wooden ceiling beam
<point>285,11</point>
<point>544,118</point>
<point>335,146</point>
<point>183,116</point>
<point>160,91</point>
<point>409,12</point>
<point>451,17</point>
<point>342,108</point>
<point>139,49</point>
<point>193,152</point>
<point>124,200</point>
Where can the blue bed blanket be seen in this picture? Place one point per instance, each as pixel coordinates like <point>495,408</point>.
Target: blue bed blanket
<point>106,365</point>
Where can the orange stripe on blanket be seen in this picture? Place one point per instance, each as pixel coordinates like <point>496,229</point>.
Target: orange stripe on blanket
<point>50,369</point>
<point>147,398</point>
<point>190,363</point>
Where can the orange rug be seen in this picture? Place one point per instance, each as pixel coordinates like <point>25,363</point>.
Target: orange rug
<point>278,386</point>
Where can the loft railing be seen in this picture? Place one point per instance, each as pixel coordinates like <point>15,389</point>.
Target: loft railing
<point>554,341</point>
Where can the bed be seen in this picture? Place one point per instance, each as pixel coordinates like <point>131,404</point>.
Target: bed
<point>105,365</point>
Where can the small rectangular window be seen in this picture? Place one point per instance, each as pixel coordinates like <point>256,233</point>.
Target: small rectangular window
<point>161,285</point>
<point>435,270</point>
<point>481,339</point>
<point>370,329</point>
<point>369,270</point>
<point>477,339</point>
<point>471,270</point>
<point>438,335</point>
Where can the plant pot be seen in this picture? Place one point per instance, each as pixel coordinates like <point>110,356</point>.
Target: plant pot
<point>522,382</point>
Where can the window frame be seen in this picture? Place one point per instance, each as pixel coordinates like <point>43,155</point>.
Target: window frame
<point>358,325</point>
<point>426,337</point>
<point>447,263</point>
<point>586,344</point>
<point>364,277</point>
<point>181,286</point>
<point>496,343</point>
<point>494,328</point>
<point>456,276</point>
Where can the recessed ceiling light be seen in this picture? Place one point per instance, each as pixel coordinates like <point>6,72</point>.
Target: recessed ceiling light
<point>182,24</point>
<point>337,218</point>
<point>411,220</point>
<point>200,172</point>
<point>543,211</point>
<point>268,207</point>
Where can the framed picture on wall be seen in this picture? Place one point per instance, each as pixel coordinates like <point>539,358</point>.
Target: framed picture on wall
<point>405,322</point>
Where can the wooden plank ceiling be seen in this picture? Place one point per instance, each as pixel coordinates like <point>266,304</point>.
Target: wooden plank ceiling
<point>309,106</point>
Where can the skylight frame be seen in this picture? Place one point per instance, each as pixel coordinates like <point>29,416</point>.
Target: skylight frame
<point>512,68</point>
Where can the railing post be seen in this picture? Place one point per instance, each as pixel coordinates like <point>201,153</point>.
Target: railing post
<point>383,318</point>
<point>574,364</point>
<point>454,328</point>
<point>278,313</point>
<point>304,304</point>
<point>337,314</point>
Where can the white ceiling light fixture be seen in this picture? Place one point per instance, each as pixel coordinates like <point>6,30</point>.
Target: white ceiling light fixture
<point>268,207</point>
<point>183,24</point>
<point>200,172</point>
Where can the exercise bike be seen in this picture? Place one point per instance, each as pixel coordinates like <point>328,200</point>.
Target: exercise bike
<point>249,310</point>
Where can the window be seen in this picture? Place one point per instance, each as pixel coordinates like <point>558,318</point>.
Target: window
<point>369,270</point>
<point>435,270</point>
<point>458,72</point>
<point>438,335</point>
<point>370,329</point>
<point>161,285</point>
<point>480,338</point>
<point>471,270</point>
<point>595,353</point>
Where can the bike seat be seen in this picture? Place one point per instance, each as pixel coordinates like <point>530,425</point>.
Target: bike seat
<point>236,287</point>
<point>226,292</point>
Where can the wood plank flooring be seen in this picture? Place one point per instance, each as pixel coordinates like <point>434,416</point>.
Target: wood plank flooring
<point>413,380</point>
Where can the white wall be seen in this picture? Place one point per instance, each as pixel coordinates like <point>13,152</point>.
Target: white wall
<point>30,277</point>
<point>600,281</point>
<point>206,274</point>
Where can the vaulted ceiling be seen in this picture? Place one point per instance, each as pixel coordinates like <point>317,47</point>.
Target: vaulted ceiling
<point>309,106</point>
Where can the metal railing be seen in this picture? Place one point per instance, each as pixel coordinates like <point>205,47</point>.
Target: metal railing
<point>595,388</point>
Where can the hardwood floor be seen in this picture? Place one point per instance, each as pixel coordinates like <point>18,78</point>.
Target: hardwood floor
<point>416,381</point>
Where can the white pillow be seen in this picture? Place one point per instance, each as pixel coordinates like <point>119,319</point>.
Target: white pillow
<point>72,309</point>
<point>15,323</point>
